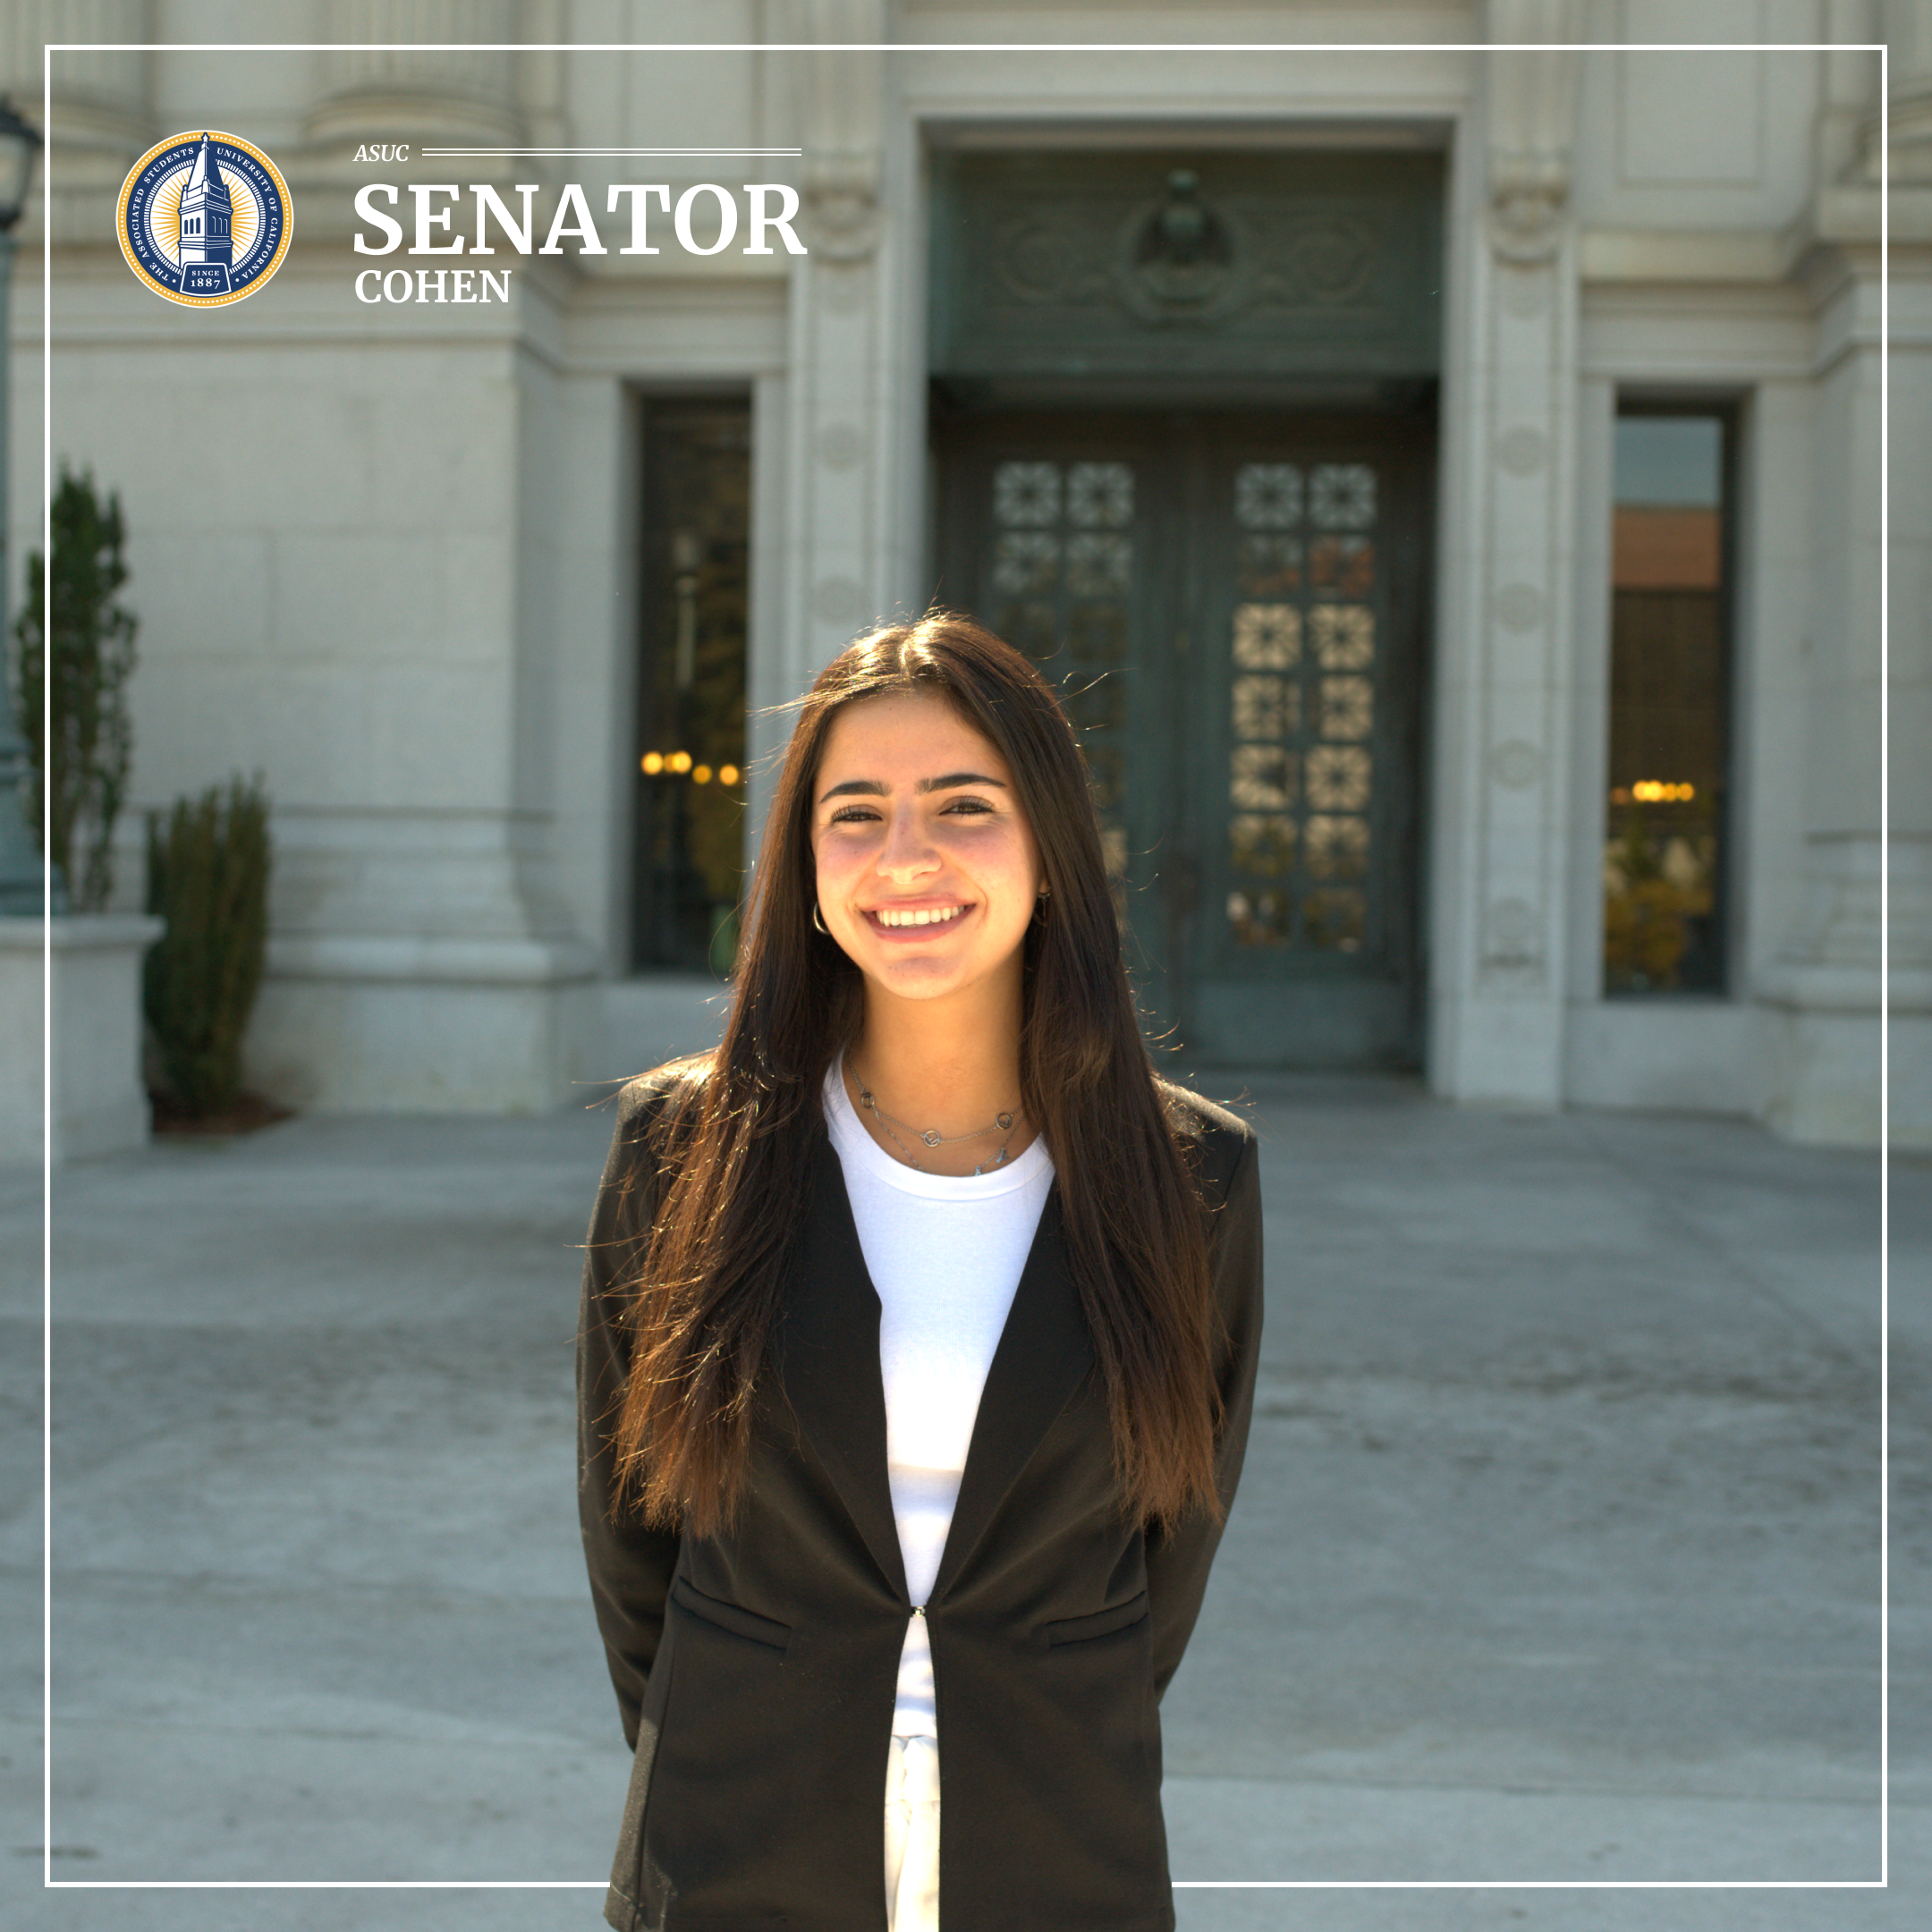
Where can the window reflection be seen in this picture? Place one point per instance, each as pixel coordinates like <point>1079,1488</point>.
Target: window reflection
<point>689,853</point>
<point>1669,748</point>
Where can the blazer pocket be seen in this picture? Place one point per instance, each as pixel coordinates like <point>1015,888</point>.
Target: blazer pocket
<point>729,1616</point>
<point>1100,1623</point>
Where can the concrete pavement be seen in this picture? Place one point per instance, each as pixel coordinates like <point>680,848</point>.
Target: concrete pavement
<point>1556,1560</point>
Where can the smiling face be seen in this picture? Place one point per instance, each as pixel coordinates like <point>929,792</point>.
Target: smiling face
<point>926,867</point>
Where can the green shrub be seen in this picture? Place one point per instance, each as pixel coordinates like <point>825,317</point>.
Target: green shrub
<point>92,658</point>
<point>208,876</point>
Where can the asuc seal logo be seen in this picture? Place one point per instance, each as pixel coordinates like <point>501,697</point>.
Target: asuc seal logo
<point>204,218</point>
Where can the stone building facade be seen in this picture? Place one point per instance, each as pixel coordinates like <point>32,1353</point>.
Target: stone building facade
<point>1444,470</point>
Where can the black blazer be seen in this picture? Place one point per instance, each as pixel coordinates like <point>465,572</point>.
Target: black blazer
<point>755,1673</point>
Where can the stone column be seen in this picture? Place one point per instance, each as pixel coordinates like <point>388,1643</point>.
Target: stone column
<point>1907,27</point>
<point>1497,996</point>
<point>437,93</point>
<point>422,954</point>
<point>100,94</point>
<point>1825,985</point>
<point>837,435</point>
<point>102,119</point>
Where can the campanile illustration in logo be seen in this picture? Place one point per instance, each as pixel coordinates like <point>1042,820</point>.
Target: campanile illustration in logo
<point>204,218</point>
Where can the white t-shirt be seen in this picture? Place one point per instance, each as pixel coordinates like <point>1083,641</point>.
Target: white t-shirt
<point>945,1253</point>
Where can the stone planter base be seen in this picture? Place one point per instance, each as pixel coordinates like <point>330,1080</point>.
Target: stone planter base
<point>99,1105</point>
<point>391,1023</point>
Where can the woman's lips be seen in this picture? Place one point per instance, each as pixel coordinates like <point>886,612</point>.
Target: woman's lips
<point>930,930</point>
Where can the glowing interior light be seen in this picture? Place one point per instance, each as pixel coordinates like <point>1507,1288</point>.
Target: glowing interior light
<point>701,775</point>
<point>653,763</point>
<point>727,775</point>
<point>679,762</point>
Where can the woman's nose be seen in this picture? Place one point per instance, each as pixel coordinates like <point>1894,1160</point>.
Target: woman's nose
<point>907,852</point>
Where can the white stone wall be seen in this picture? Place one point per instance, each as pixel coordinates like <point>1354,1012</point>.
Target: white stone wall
<point>387,556</point>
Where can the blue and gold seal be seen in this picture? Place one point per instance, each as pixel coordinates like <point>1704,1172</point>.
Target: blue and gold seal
<point>204,218</point>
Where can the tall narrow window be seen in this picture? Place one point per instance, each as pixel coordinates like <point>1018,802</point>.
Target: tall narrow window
<point>1670,739</point>
<point>691,779</point>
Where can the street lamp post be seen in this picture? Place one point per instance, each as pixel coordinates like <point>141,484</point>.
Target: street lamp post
<point>21,873</point>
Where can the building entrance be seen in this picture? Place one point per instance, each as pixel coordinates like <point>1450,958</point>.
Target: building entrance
<point>1231,606</point>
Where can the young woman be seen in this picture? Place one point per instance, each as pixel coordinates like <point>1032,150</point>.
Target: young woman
<point>917,1349</point>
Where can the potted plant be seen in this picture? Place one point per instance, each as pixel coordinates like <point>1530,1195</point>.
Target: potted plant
<point>76,653</point>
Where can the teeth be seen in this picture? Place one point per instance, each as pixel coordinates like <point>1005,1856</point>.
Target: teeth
<point>919,918</point>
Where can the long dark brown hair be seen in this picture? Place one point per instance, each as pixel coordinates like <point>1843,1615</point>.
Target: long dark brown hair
<point>735,1139</point>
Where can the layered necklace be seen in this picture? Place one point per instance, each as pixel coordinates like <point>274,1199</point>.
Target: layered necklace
<point>1001,1124</point>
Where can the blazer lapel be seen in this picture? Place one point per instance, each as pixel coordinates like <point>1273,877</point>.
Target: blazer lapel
<point>829,1361</point>
<point>1044,1352</point>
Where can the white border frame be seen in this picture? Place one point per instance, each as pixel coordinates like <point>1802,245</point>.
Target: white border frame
<point>50,48</point>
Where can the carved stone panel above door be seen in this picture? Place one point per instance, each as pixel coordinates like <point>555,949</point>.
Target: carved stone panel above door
<point>1155,264</point>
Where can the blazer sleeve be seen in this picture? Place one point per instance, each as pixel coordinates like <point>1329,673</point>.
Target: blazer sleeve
<point>630,1565</point>
<point>1180,1555</point>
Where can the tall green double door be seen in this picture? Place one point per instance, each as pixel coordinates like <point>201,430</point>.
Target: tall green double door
<point>1232,607</point>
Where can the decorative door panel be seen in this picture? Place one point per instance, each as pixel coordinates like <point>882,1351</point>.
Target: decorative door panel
<point>1304,791</point>
<point>1229,607</point>
<point>1065,551</point>
<point>1054,536</point>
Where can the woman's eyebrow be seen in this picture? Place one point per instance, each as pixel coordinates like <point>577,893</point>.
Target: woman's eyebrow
<point>872,788</point>
<point>957,778</point>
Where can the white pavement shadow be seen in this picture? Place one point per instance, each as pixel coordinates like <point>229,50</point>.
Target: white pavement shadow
<point>1556,1556</point>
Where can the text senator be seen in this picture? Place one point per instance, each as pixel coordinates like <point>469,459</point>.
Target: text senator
<point>704,220</point>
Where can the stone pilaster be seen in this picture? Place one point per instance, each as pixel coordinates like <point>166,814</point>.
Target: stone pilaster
<point>1499,997</point>
<point>100,93</point>
<point>1907,28</point>
<point>102,108</point>
<point>1825,985</point>
<point>837,577</point>
<point>417,93</point>
<point>423,954</point>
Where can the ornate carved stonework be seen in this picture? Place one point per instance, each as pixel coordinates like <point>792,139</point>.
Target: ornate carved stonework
<point>1531,98</point>
<point>1519,606</point>
<point>836,99</point>
<point>1144,263</point>
<point>1523,449</point>
<point>1511,937</point>
<point>1525,294</point>
<point>841,204</point>
<point>1516,765</point>
<point>1528,195</point>
<point>1181,253</point>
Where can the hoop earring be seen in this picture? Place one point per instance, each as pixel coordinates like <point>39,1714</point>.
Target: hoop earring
<point>817,921</point>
